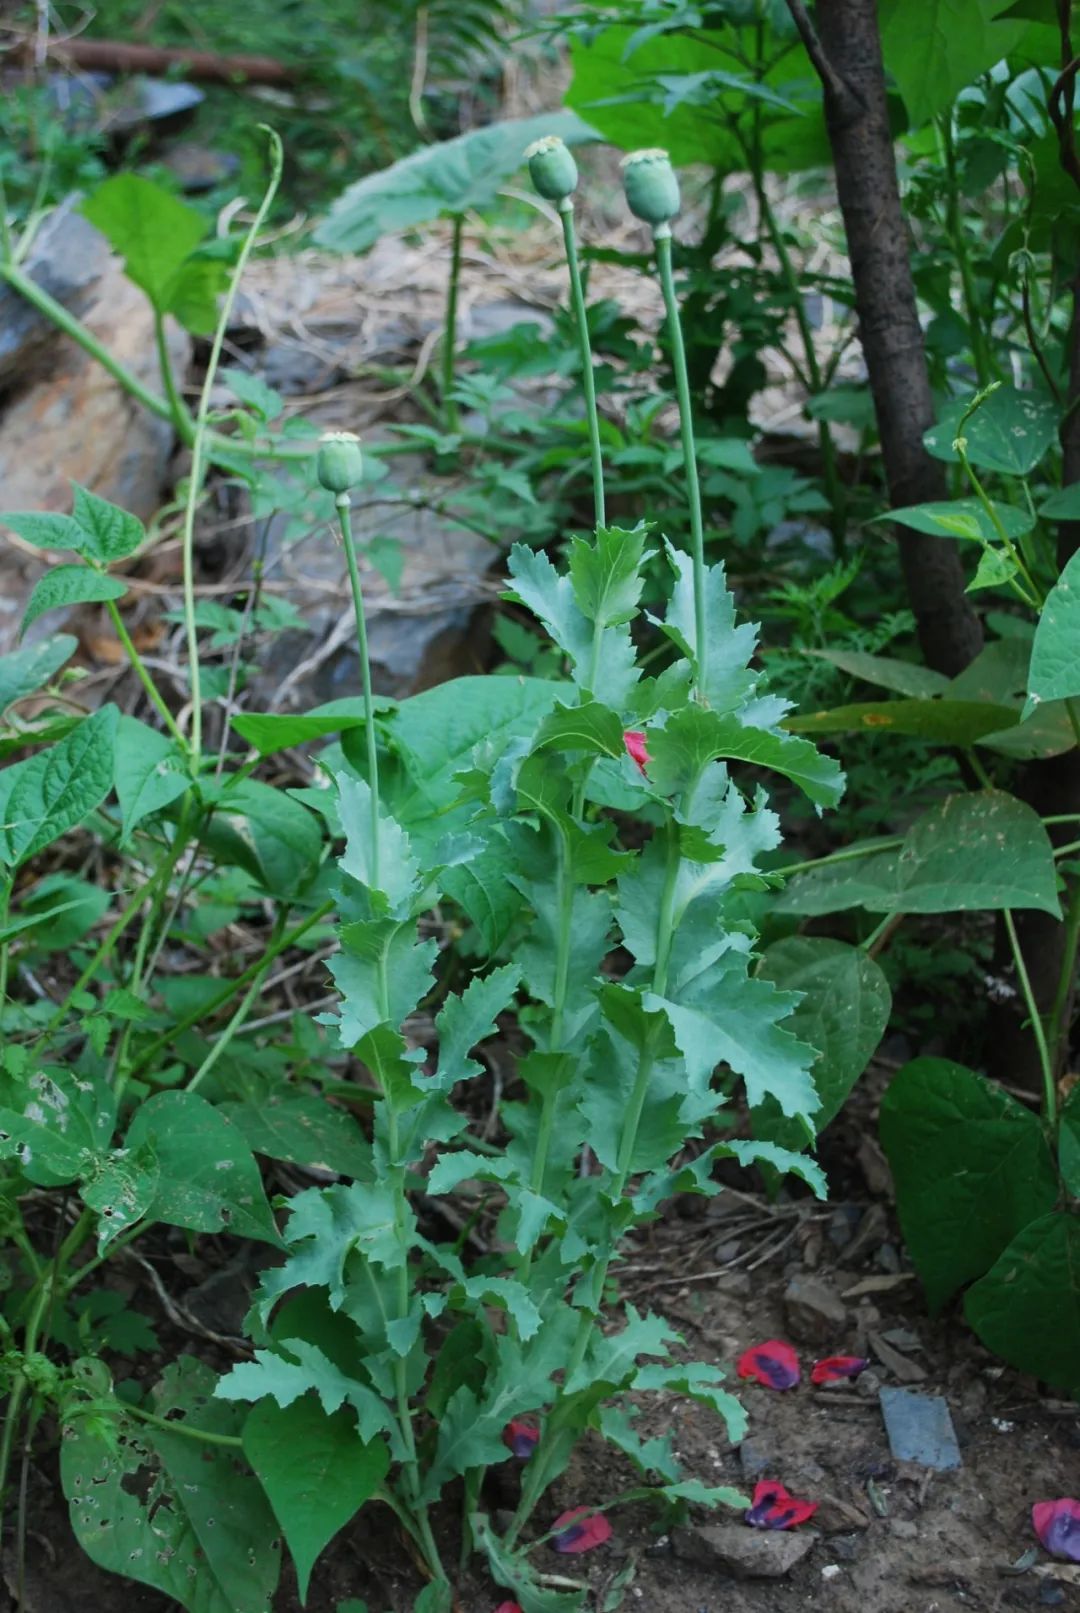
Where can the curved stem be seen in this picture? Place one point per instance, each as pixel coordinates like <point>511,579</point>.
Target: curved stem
<point>152,691</point>
<point>588,377</point>
<point>221,1042</point>
<point>1037,1030</point>
<point>343,509</point>
<point>450,410</point>
<point>1058,1037</point>
<point>198,448</point>
<point>662,237</point>
<point>181,418</point>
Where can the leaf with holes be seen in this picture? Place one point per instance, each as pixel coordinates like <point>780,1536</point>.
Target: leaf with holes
<point>207,1176</point>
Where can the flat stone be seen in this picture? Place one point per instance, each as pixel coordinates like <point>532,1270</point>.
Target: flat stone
<point>837,1517</point>
<point>920,1429</point>
<point>814,1314</point>
<point>900,1365</point>
<point>742,1552</point>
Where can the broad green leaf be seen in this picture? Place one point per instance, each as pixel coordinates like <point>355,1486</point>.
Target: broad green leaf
<point>316,1473</point>
<point>694,737</point>
<point>945,722</point>
<point>589,727</point>
<point>998,673</point>
<point>996,569</point>
<point>120,1190</point>
<point>1027,1307</point>
<point>981,851</point>
<point>303,1129</point>
<point>843,1014</point>
<point>468,1019</point>
<point>904,677</point>
<point>971,1165</point>
<point>25,671</point>
<point>1064,505</point>
<point>70,585</point>
<point>177,1513</point>
<point>269,732</point>
<point>1069,1143</point>
<point>1054,673</point>
<point>56,1124</point>
<point>1047,732</point>
<point>606,576</point>
<point>619,85</point>
<point>253,392</point>
<point>207,1177</point>
<point>96,529</point>
<point>54,790</point>
<point>482,888</point>
<point>1009,433</point>
<point>453,176</point>
<point>151,229</point>
<point>941,48</point>
<point>266,832</point>
<point>961,518</point>
<point>151,772</point>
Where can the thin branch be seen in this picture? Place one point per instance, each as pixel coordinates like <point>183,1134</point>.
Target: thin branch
<point>835,86</point>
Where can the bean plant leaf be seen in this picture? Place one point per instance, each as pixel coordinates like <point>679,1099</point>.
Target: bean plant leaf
<point>1027,1307</point>
<point>70,585</point>
<point>207,1177</point>
<point>303,1129</point>
<point>54,790</point>
<point>170,1511</point>
<point>265,831</point>
<point>97,530</point>
<point>25,671</point>
<point>120,1190</point>
<point>1054,673</point>
<point>151,772</point>
<point>962,518</point>
<point>159,238</point>
<point>455,176</point>
<point>271,731</point>
<point>945,722</point>
<point>1069,1143</point>
<point>843,1014</point>
<point>980,851</point>
<point>316,1473</point>
<point>56,1124</point>
<point>1010,432</point>
<point>903,677</point>
<point>972,1167</point>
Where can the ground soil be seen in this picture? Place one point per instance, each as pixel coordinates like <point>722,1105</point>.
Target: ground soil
<point>889,1537</point>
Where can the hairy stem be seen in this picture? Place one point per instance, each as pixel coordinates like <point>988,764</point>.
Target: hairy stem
<point>343,509</point>
<point>588,377</point>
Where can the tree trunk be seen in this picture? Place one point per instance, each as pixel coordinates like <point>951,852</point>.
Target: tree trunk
<point>846,52</point>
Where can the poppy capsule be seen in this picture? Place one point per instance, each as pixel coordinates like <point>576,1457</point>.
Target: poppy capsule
<point>579,1530</point>
<point>521,1435</point>
<point>835,1367</point>
<point>773,1364</point>
<point>773,1508</point>
<point>634,740</point>
<point>1057,1524</point>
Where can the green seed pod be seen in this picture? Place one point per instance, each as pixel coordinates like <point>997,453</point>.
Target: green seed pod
<point>652,190</point>
<point>552,169</point>
<point>340,465</point>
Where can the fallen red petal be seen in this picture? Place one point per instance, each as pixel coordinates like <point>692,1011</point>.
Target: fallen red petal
<point>772,1507</point>
<point>521,1435</point>
<point>508,1607</point>
<point>773,1364</point>
<point>634,740</point>
<point>835,1367</point>
<point>1057,1524</point>
<point>578,1530</point>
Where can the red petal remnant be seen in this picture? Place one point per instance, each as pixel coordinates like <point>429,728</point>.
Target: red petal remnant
<point>773,1363</point>
<point>634,740</point>
<point>508,1607</point>
<point>521,1435</point>
<point>773,1508</point>
<point>573,1536</point>
<point>1057,1524</point>
<point>835,1367</point>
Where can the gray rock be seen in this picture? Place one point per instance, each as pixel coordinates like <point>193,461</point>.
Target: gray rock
<point>835,1516</point>
<point>755,1458</point>
<point>813,1312</point>
<point>67,259</point>
<point>741,1552</point>
<point>901,1367</point>
<point>920,1429</point>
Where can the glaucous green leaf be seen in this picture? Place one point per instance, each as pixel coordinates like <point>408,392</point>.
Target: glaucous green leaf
<point>1054,673</point>
<point>468,1019</point>
<point>550,596</point>
<point>55,789</point>
<point>382,972</point>
<point>207,1176</point>
<point>606,576</point>
<point>590,727</point>
<point>1027,1307</point>
<point>316,1473</point>
<point>694,737</point>
<point>452,176</point>
<point>70,585</point>
<point>25,671</point>
<point>722,671</point>
<point>296,1368</point>
<point>971,1165</point>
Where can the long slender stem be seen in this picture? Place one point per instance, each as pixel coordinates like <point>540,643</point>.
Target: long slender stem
<point>450,409</point>
<point>343,509</point>
<point>954,226</point>
<point>1058,1037</point>
<point>588,376</point>
<point>1037,1029</point>
<point>180,415</point>
<point>198,448</point>
<point>243,1009</point>
<point>152,691</point>
<point>662,237</point>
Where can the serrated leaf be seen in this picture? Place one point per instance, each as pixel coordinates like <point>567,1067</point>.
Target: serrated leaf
<point>972,1167</point>
<point>693,738</point>
<point>382,972</point>
<point>25,671</point>
<point>297,1368</point>
<point>468,1019</point>
<point>589,727</point>
<point>701,1381</point>
<point>69,585</point>
<point>151,772</point>
<point>605,574</point>
<point>207,1177</point>
<point>653,1455</point>
<point>550,597</point>
<point>54,790</point>
<point>513,1571</point>
<point>168,1510</point>
<point>324,1227</point>
<point>387,867</point>
<point>1027,1307</point>
<point>316,1473</point>
<point>482,888</point>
